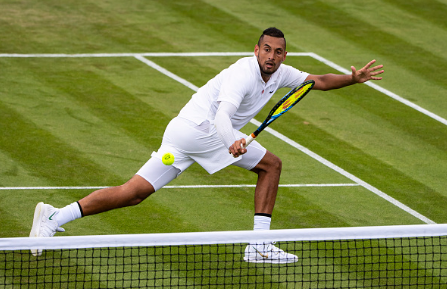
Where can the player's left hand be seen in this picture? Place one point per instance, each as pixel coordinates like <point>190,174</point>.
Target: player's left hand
<point>366,73</point>
<point>237,148</point>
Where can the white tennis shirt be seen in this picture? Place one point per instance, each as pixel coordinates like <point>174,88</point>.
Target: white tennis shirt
<point>240,84</point>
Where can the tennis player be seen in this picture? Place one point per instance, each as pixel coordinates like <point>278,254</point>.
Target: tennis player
<point>206,131</point>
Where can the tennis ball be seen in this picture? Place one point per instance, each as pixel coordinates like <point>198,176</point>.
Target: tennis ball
<point>168,159</point>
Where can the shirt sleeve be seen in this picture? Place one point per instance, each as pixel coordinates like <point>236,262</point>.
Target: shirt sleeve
<point>292,76</point>
<point>223,124</point>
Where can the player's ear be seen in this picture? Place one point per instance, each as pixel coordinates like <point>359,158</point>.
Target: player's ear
<point>256,49</point>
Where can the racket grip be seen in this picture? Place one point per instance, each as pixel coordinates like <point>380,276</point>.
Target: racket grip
<point>248,140</point>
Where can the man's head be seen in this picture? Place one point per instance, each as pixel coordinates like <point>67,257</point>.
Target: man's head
<point>270,51</point>
<point>273,32</point>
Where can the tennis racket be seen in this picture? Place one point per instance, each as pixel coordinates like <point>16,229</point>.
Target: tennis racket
<point>284,105</point>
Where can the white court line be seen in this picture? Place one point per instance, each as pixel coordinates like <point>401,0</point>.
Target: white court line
<point>303,149</point>
<point>149,54</point>
<point>179,187</point>
<point>167,73</point>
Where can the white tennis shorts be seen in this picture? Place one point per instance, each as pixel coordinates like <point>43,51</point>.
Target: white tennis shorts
<point>190,143</point>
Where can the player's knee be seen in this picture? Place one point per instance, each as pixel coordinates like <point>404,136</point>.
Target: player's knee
<point>276,164</point>
<point>270,163</point>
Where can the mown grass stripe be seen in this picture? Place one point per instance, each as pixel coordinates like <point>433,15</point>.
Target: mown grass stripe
<point>432,11</point>
<point>222,28</point>
<point>110,103</point>
<point>91,27</point>
<point>45,155</point>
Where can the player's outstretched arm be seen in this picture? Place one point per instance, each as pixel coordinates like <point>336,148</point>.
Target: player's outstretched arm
<point>334,81</point>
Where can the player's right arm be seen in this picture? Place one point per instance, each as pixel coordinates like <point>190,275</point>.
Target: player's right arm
<point>224,128</point>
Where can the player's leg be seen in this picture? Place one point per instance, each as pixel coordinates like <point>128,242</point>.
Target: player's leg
<point>268,171</point>
<point>47,219</point>
<point>131,193</point>
<point>268,168</point>
<point>152,176</point>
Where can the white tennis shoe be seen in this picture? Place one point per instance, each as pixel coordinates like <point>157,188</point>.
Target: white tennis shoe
<point>268,253</point>
<point>44,224</point>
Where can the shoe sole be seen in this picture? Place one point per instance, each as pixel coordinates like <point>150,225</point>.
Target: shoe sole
<point>271,261</point>
<point>35,229</point>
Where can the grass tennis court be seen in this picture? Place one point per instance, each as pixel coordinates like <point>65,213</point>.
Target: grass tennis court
<point>93,121</point>
<point>89,136</point>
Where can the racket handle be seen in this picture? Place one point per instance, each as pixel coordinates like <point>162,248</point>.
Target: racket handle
<point>248,140</point>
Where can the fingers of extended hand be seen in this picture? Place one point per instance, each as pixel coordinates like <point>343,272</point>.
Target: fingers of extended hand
<point>375,68</point>
<point>369,64</point>
<point>375,71</point>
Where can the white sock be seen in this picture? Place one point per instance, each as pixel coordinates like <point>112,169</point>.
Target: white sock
<point>68,214</point>
<point>262,223</point>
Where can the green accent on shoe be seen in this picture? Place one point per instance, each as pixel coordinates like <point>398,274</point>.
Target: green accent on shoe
<point>50,218</point>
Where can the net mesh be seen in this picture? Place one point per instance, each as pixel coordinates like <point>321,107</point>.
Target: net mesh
<point>418,261</point>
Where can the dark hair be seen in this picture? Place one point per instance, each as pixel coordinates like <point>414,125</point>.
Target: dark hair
<point>273,32</point>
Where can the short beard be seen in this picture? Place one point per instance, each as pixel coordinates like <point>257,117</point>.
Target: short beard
<point>266,72</point>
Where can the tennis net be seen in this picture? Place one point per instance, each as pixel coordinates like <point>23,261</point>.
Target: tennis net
<point>413,256</point>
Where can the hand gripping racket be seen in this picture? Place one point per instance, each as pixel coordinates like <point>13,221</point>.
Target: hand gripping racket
<point>286,103</point>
